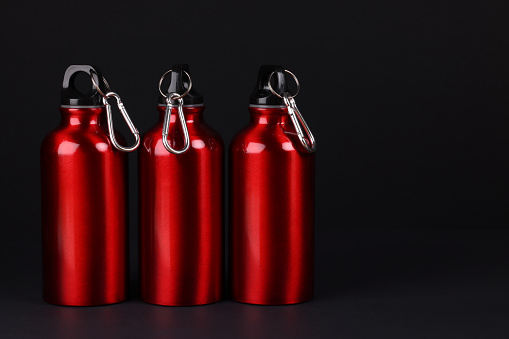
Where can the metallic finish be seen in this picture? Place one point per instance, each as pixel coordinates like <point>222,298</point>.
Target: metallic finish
<point>109,116</point>
<point>183,125</point>
<point>130,124</point>
<point>97,87</point>
<point>297,120</point>
<point>267,106</point>
<point>191,105</point>
<point>281,95</point>
<point>178,96</point>
<point>84,224</point>
<point>181,214</point>
<point>271,212</point>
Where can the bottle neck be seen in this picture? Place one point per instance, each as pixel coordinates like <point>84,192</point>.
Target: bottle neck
<point>192,114</point>
<point>82,117</point>
<point>269,115</point>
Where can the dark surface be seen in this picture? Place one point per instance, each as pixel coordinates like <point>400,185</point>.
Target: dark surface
<point>408,101</point>
<point>369,284</point>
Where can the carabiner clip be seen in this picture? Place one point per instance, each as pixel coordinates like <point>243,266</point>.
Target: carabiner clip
<point>109,117</point>
<point>167,115</point>
<point>166,123</point>
<point>296,117</point>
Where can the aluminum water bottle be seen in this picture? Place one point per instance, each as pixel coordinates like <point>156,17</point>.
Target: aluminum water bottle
<point>84,196</point>
<point>181,201</point>
<point>272,168</point>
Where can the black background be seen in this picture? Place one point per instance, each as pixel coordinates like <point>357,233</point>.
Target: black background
<point>407,101</point>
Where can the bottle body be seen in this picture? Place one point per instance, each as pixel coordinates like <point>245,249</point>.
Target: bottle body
<point>271,212</point>
<point>84,220</point>
<point>181,213</point>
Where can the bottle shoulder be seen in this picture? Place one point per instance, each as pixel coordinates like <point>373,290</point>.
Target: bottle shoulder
<point>64,140</point>
<point>201,136</point>
<point>209,132</point>
<point>153,132</point>
<point>255,138</point>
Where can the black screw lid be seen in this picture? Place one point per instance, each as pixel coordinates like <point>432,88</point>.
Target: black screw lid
<point>179,84</point>
<point>262,94</point>
<point>71,96</point>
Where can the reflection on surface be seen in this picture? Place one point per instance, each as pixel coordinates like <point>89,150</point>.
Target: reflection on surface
<point>101,146</point>
<point>179,322</point>
<point>197,144</point>
<point>235,320</point>
<point>84,322</point>
<point>159,149</point>
<point>271,321</point>
<point>67,147</point>
<point>287,146</point>
<point>254,147</point>
<point>140,320</point>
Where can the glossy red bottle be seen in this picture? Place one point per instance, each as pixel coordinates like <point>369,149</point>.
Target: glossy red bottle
<point>271,204</point>
<point>181,206</point>
<point>84,192</point>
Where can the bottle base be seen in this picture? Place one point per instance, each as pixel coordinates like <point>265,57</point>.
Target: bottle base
<point>271,303</point>
<point>83,304</point>
<point>181,304</point>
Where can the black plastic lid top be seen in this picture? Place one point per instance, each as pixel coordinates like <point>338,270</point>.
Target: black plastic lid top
<point>179,84</point>
<point>262,94</point>
<point>71,96</point>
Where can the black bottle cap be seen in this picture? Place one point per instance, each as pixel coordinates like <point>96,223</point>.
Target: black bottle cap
<point>71,96</point>
<point>179,84</point>
<point>262,94</point>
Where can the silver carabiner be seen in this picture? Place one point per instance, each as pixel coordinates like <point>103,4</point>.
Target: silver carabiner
<point>295,114</point>
<point>167,115</point>
<point>296,117</point>
<point>166,123</point>
<point>109,116</point>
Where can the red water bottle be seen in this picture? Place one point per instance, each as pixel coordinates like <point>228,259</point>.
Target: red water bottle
<point>272,199</point>
<point>84,191</point>
<point>181,201</point>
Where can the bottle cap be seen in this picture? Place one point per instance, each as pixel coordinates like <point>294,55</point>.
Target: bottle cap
<point>179,83</point>
<point>262,94</point>
<point>71,96</point>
